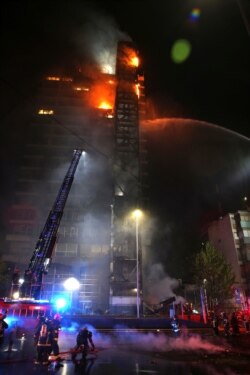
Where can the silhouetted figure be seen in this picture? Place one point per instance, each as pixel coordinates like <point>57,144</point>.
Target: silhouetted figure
<point>55,325</point>
<point>215,324</point>
<point>83,340</point>
<point>235,324</point>
<point>226,324</point>
<point>3,327</point>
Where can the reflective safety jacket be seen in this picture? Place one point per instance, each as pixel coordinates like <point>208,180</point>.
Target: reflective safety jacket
<point>44,335</point>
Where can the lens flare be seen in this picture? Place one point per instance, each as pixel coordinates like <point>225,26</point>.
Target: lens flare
<point>195,14</point>
<point>180,51</point>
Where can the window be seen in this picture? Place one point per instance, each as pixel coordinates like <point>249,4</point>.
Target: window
<point>45,111</point>
<point>66,249</point>
<point>246,232</point>
<point>71,232</point>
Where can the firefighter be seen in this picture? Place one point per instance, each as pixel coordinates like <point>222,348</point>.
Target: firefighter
<point>43,341</point>
<point>3,327</point>
<point>56,326</point>
<point>83,339</point>
<point>175,325</point>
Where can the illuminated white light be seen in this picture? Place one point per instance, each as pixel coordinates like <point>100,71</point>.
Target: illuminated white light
<point>120,193</point>
<point>137,214</point>
<point>21,281</point>
<point>16,295</point>
<point>61,303</point>
<point>71,284</point>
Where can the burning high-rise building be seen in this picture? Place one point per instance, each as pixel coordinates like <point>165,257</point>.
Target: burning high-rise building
<point>101,117</point>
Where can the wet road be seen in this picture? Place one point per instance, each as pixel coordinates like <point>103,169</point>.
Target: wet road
<point>134,352</point>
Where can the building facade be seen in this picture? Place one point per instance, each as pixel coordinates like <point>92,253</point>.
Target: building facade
<point>71,113</point>
<point>231,236</point>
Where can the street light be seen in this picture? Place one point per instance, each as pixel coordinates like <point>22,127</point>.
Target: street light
<point>137,214</point>
<point>71,284</point>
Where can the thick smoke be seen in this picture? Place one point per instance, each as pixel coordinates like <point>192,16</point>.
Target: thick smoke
<point>99,37</point>
<point>160,286</point>
<point>139,341</point>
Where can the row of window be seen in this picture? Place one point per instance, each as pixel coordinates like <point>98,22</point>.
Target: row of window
<point>71,249</point>
<point>245,218</point>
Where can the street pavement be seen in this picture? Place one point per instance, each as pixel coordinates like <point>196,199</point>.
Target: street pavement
<point>130,351</point>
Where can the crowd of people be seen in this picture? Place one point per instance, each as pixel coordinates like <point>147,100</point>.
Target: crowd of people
<point>46,340</point>
<point>46,335</point>
<point>229,324</point>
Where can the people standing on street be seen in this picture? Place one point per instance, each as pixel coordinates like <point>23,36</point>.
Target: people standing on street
<point>3,327</point>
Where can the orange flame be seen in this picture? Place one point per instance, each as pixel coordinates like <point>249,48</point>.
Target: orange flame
<point>105,105</point>
<point>102,95</point>
<point>130,57</point>
<point>134,61</point>
<point>137,89</point>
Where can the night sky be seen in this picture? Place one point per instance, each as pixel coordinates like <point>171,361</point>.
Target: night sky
<point>210,85</point>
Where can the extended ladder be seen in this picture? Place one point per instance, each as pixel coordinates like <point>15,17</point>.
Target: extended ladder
<point>42,255</point>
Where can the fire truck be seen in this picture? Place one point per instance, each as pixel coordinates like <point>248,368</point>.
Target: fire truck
<point>29,299</point>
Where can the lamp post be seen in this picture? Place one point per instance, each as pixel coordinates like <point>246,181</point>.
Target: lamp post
<point>137,215</point>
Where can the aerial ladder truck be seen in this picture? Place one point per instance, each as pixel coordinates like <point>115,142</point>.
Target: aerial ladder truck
<point>42,255</point>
